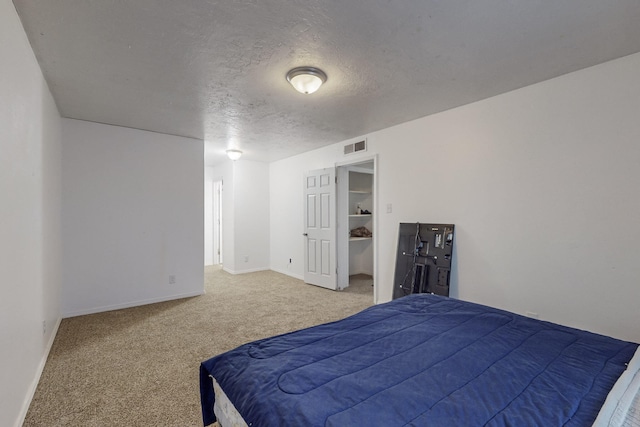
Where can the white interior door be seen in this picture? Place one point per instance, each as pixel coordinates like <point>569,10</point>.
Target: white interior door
<point>320,228</point>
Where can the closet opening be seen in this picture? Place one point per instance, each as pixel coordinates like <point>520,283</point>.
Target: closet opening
<point>356,223</point>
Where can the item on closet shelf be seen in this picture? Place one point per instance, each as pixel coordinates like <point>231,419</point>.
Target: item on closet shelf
<point>365,212</point>
<point>361,232</point>
<point>358,210</point>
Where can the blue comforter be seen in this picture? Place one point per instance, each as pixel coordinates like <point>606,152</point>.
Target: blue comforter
<point>421,360</point>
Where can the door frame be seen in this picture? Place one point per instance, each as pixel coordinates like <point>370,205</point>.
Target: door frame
<point>218,185</point>
<point>342,241</point>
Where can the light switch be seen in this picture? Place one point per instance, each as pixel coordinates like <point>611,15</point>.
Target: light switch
<point>389,208</point>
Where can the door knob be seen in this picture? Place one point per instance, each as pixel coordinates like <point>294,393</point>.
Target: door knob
<point>305,234</point>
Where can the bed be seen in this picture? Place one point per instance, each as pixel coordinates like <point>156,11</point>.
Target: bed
<point>425,360</point>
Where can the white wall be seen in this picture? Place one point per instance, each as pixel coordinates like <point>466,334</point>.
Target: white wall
<point>228,216</point>
<point>245,215</point>
<point>251,212</point>
<point>542,184</point>
<point>30,239</point>
<point>133,215</point>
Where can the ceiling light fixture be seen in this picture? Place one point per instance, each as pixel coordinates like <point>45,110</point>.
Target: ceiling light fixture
<point>306,79</point>
<point>234,154</point>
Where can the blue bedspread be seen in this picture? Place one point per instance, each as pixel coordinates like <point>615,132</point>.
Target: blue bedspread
<point>421,360</point>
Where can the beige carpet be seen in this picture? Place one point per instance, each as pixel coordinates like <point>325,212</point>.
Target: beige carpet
<point>139,366</point>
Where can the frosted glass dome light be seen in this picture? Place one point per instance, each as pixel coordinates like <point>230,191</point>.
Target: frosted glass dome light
<point>306,79</point>
<point>234,154</point>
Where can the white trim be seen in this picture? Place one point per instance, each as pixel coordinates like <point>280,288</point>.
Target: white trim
<point>355,161</point>
<point>36,380</point>
<point>130,304</point>
<point>218,256</point>
<point>288,273</point>
<point>276,270</point>
<point>250,270</point>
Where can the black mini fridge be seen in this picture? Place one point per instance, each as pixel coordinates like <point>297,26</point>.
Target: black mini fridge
<point>423,260</point>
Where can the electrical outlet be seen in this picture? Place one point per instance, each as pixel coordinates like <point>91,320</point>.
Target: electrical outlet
<point>44,327</point>
<point>246,258</point>
<point>389,208</point>
<point>172,279</point>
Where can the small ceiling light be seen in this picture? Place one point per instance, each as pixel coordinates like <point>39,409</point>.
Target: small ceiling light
<point>234,154</point>
<point>306,79</point>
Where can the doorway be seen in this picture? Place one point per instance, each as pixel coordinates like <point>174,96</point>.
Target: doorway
<point>213,222</point>
<point>217,222</point>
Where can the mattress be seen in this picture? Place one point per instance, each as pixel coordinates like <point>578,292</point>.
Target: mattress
<point>226,414</point>
<point>420,360</point>
<point>622,406</point>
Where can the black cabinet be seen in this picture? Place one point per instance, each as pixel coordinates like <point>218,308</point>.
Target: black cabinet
<point>423,260</point>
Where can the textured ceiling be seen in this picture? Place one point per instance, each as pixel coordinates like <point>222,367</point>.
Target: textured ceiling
<point>215,70</point>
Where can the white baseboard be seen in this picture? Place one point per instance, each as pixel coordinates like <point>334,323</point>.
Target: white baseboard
<point>250,270</point>
<point>285,272</point>
<point>95,310</point>
<point>34,384</point>
<point>288,273</point>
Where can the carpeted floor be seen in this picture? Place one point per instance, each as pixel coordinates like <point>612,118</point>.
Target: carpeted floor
<point>139,366</point>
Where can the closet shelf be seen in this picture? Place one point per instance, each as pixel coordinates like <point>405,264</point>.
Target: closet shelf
<point>359,192</point>
<point>354,239</point>
<point>358,216</point>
